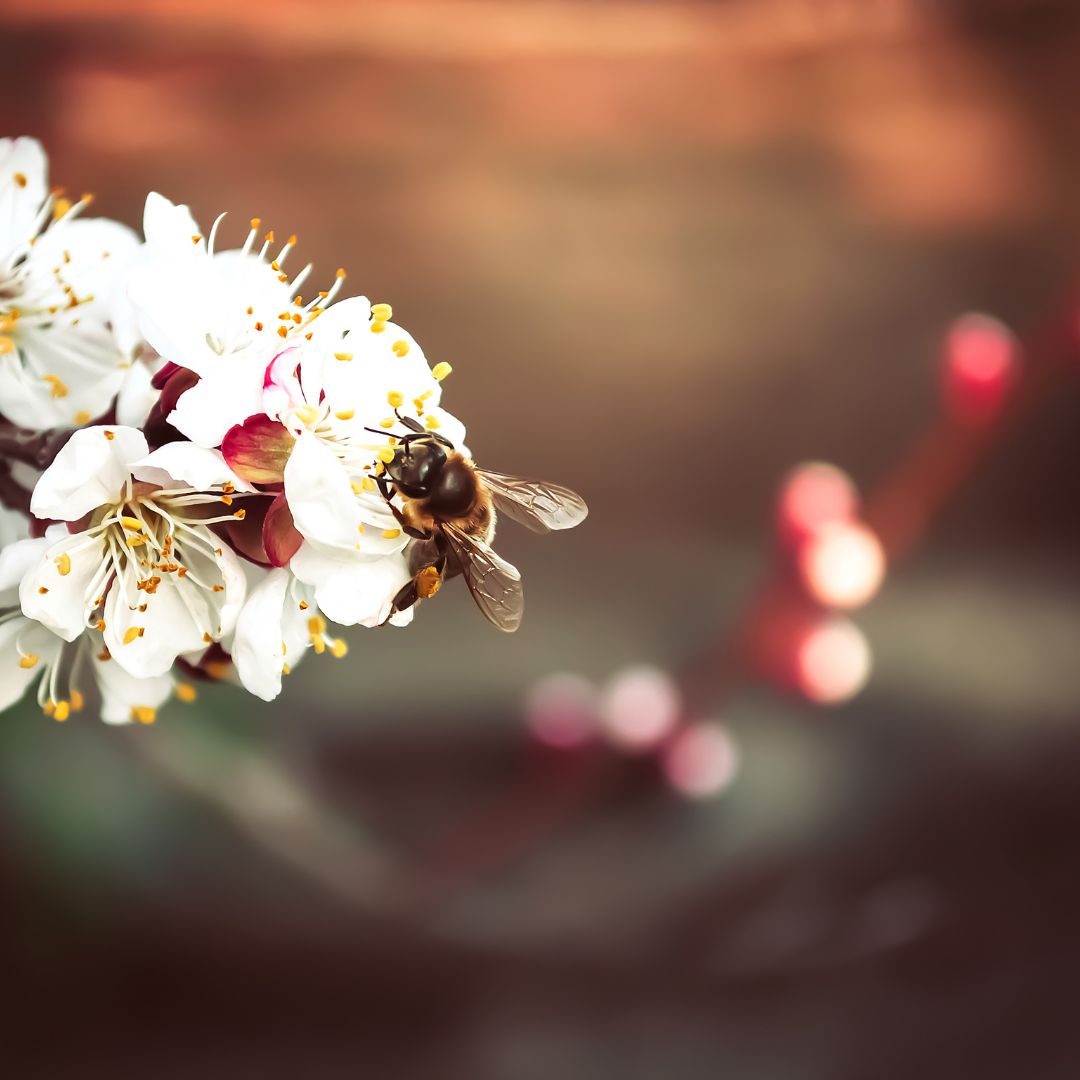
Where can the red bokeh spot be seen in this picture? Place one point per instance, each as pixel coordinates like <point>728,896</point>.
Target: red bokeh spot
<point>981,365</point>
<point>812,496</point>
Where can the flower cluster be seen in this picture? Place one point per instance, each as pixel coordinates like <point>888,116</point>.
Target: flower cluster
<point>195,450</point>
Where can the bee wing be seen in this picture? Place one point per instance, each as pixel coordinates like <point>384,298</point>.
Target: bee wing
<point>537,505</point>
<point>495,585</point>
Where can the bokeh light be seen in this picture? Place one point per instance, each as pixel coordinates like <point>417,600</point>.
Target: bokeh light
<point>843,565</point>
<point>812,496</point>
<point>560,710</point>
<point>833,661</point>
<point>981,365</point>
<point>702,760</point>
<point>639,708</point>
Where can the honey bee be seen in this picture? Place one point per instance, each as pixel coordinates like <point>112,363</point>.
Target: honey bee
<point>449,508</point>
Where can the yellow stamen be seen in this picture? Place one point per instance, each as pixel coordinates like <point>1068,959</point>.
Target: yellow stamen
<point>343,356</point>
<point>77,700</point>
<point>60,207</point>
<point>308,414</point>
<point>63,563</point>
<point>56,385</point>
<point>49,707</point>
<point>338,648</point>
<point>132,523</point>
<point>20,179</point>
<point>82,417</point>
<point>132,633</point>
<point>345,414</point>
<point>382,312</point>
<point>110,435</point>
<point>441,370</point>
<point>143,714</point>
<point>378,326</point>
<point>385,455</point>
<point>186,692</point>
<point>368,484</point>
<point>28,661</point>
<point>395,399</point>
<point>391,534</point>
<point>431,422</point>
<point>62,711</point>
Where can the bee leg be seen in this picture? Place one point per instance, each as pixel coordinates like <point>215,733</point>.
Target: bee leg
<point>406,528</point>
<point>384,488</point>
<point>422,586</point>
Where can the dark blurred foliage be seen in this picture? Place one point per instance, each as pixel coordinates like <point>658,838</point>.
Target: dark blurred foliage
<point>671,249</point>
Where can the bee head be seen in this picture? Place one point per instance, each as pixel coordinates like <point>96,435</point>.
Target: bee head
<point>417,465</point>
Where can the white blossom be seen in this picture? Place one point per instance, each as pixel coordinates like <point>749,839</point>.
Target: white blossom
<point>61,364</point>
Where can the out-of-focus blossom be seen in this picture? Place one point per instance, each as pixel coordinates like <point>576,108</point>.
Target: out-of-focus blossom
<point>61,364</point>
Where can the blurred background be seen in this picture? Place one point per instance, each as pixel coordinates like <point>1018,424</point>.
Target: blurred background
<point>779,778</point>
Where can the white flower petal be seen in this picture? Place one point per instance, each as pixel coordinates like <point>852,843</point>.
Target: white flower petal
<point>270,632</point>
<point>195,466</point>
<point>89,471</point>
<point>168,225</point>
<point>16,560</point>
<point>122,692</point>
<point>320,496</point>
<point>53,590</point>
<point>23,188</point>
<point>21,638</point>
<point>351,590</point>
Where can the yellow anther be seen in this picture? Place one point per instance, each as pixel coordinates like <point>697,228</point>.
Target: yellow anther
<point>258,326</point>
<point>431,422</point>
<point>186,692</point>
<point>77,700</point>
<point>338,648</point>
<point>368,484</point>
<point>400,347</point>
<point>82,417</point>
<point>62,711</point>
<point>49,707</point>
<point>110,435</point>
<point>391,534</point>
<point>143,714</point>
<point>20,179</point>
<point>316,625</point>
<point>7,346</point>
<point>307,414</point>
<point>60,207</point>
<point>283,331</point>
<point>99,626</point>
<point>387,422</point>
<point>239,515</point>
<point>378,326</point>
<point>385,455</point>
<point>343,356</point>
<point>395,399</point>
<point>132,523</point>
<point>270,237</point>
<point>136,541</point>
<point>319,645</point>
<point>340,273</point>
<point>132,633</point>
<point>345,414</point>
<point>424,396</point>
<point>441,370</point>
<point>196,239</point>
<point>255,223</point>
<point>292,240</point>
<point>28,661</point>
<point>382,312</point>
<point>284,649</point>
<point>57,387</point>
<point>285,669</point>
<point>303,605</point>
<point>63,563</point>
